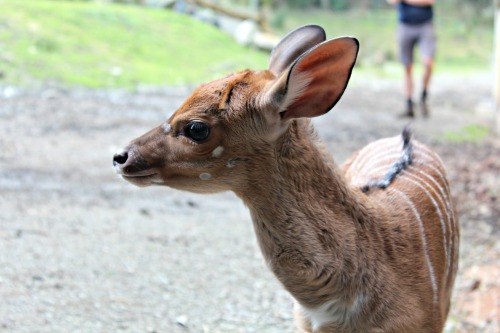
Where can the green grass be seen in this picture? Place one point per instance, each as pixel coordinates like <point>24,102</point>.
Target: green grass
<point>86,43</point>
<point>105,45</point>
<point>472,133</point>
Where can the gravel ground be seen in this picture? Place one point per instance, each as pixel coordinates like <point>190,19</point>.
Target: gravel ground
<point>83,251</point>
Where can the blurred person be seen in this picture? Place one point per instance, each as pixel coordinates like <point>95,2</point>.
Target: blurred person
<point>416,27</point>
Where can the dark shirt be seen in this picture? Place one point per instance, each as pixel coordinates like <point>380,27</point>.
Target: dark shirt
<point>409,14</point>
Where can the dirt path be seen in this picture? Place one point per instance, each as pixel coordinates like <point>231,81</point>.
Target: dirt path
<point>83,251</point>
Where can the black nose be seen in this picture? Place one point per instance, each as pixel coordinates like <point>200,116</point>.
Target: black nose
<point>120,158</point>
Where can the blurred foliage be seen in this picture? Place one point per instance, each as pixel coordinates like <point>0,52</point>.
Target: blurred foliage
<point>110,45</point>
<point>470,133</point>
<point>91,43</point>
<point>324,4</point>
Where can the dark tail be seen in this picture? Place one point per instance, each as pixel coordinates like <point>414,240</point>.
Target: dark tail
<point>397,167</point>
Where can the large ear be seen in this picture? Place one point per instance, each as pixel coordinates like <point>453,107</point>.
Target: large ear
<point>315,81</point>
<point>293,45</point>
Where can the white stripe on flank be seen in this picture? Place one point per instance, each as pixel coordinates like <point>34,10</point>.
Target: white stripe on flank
<point>395,155</point>
<point>424,241</point>
<point>445,202</point>
<point>426,159</point>
<point>434,168</point>
<point>369,150</point>
<point>435,156</point>
<point>426,172</point>
<point>436,164</point>
<point>432,157</point>
<point>387,157</point>
<point>444,226</point>
<point>385,167</point>
<point>444,194</point>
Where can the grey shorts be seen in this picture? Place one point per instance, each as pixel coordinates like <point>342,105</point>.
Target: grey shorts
<point>411,35</point>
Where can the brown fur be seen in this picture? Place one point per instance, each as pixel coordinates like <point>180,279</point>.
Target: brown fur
<point>358,257</point>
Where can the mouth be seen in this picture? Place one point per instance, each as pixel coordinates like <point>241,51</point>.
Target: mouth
<point>138,177</point>
<point>142,178</point>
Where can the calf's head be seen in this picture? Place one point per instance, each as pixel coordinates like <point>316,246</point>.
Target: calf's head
<point>205,144</point>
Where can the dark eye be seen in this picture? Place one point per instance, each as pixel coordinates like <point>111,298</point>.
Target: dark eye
<point>197,131</point>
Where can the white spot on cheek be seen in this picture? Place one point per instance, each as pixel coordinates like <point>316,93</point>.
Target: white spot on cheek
<point>231,164</point>
<point>217,152</point>
<point>166,128</point>
<point>205,176</point>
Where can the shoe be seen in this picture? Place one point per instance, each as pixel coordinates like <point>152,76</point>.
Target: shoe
<point>423,104</point>
<point>408,113</point>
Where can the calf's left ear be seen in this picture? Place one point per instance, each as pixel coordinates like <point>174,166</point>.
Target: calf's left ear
<point>315,81</point>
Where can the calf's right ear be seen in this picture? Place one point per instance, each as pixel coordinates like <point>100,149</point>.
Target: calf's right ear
<point>315,81</point>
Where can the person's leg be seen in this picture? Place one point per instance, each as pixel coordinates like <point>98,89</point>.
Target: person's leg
<point>428,67</point>
<point>406,42</point>
<point>428,50</point>
<point>408,81</point>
